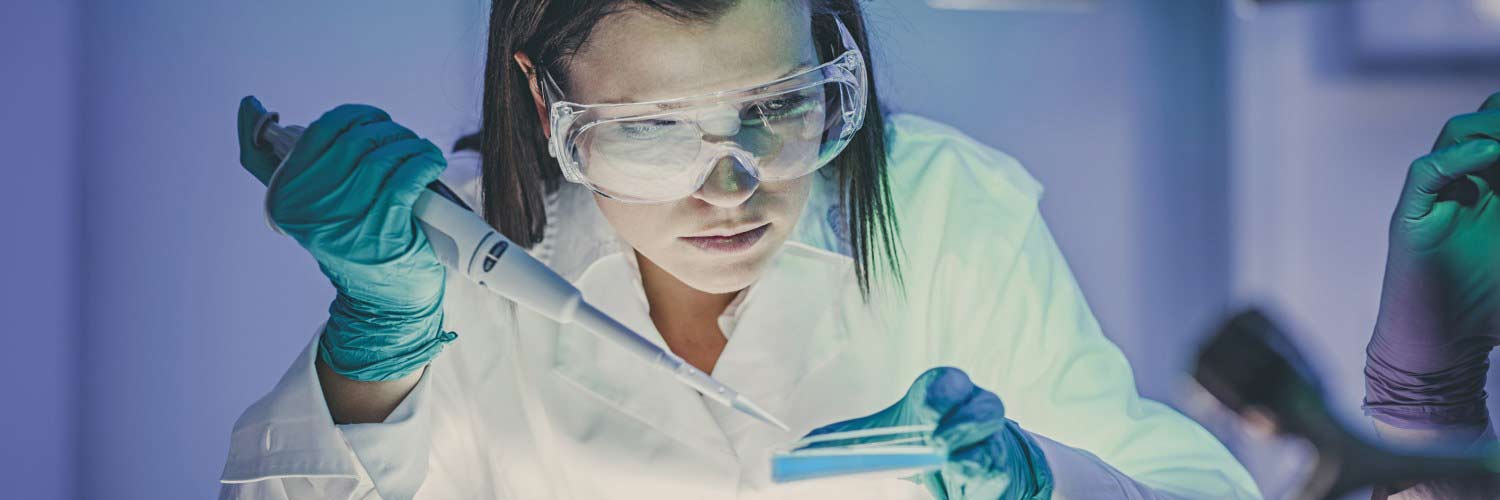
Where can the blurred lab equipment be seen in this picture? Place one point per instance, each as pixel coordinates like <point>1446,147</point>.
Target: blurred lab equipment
<point>1252,367</point>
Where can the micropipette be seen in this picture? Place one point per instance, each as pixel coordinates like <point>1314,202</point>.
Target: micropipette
<point>465,243</point>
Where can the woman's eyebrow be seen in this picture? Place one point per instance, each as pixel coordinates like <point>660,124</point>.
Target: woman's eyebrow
<point>803,66</point>
<point>800,67</point>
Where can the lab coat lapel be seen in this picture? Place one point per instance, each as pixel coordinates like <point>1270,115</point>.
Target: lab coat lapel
<point>621,381</point>
<point>788,329</point>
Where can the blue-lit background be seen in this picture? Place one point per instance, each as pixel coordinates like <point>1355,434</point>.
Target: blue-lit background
<point>1198,156</point>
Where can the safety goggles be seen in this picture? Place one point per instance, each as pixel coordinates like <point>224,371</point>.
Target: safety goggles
<point>663,150</point>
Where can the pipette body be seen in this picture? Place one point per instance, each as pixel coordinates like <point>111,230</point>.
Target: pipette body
<point>465,243</point>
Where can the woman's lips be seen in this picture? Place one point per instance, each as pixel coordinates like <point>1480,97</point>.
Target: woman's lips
<point>729,244</point>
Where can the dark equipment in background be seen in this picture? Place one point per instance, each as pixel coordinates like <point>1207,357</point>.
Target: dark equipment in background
<point>1251,367</point>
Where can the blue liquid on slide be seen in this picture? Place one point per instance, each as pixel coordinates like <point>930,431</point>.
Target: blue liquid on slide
<point>797,467</point>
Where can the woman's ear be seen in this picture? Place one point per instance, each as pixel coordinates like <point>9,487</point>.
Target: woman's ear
<point>529,69</point>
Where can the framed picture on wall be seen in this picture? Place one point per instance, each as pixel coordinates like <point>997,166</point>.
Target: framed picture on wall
<point>1396,32</point>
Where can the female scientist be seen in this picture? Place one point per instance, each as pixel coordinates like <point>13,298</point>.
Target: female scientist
<point>719,176</point>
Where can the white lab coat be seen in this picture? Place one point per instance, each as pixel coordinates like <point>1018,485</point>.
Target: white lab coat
<point>520,407</point>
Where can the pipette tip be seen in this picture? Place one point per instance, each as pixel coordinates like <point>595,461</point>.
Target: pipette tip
<point>745,406</point>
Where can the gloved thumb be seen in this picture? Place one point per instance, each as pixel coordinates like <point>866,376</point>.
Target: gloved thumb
<point>932,395</point>
<point>1445,170</point>
<point>260,162</point>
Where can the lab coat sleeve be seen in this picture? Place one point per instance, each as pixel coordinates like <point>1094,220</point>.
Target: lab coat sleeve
<point>1031,338</point>
<point>286,446</point>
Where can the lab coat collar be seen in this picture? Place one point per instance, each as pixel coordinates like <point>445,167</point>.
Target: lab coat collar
<point>726,320</point>
<point>786,323</point>
<point>782,320</point>
<point>786,329</point>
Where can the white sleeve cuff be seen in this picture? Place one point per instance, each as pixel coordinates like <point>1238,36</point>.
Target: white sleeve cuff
<point>394,452</point>
<point>289,433</point>
<point>1078,474</point>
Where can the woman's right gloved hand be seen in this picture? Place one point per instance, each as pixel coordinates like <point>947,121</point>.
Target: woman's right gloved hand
<point>346,194</point>
<point>1440,306</point>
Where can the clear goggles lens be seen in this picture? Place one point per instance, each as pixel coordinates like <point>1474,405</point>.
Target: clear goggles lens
<point>665,150</point>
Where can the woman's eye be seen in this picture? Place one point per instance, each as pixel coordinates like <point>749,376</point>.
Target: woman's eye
<point>782,103</point>
<point>644,129</point>
<point>778,108</point>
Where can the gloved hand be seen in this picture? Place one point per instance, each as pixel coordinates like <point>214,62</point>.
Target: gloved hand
<point>345,194</point>
<point>1440,305</point>
<point>988,455</point>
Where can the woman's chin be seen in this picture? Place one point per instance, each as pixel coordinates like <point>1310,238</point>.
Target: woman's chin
<point>724,277</point>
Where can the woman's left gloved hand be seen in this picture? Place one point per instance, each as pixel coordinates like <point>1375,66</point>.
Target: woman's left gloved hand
<point>989,457</point>
<point>1440,306</point>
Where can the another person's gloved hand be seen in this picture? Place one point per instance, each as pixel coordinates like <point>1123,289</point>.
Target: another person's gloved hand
<point>988,455</point>
<point>1440,306</point>
<point>346,194</point>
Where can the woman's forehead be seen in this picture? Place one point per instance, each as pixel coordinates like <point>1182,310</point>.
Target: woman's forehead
<point>638,55</point>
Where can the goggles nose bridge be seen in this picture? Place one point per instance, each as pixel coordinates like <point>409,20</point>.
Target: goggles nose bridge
<point>733,186</point>
<point>721,120</point>
<point>742,161</point>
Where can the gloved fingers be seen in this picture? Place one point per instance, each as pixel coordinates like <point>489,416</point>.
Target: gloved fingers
<point>352,151</point>
<point>260,163</point>
<point>420,166</point>
<point>1484,124</point>
<point>978,418</point>
<point>345,170</point>
<point>933,482</point>
<point>370,188</point>
<point>1493,102</point>
<point>941,390</point>
<point>321,135</point>
<point>340,185</point>
<point>890,416</point>
<point>841,426</point>
<point>933,394</point>
<point>413,173</point>
<point>1430,174</point>
<point>370,180</point>
<point>980,470</point>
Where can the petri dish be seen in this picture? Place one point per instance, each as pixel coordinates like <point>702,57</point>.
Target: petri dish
<point>886,452</point>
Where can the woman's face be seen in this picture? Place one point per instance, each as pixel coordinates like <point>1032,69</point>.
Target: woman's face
<point>638,55</point>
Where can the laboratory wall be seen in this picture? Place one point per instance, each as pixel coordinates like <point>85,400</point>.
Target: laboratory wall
<point>194,308</point>
<point>39,307</point>
<point>1197,157</point>
<point>1321,143</point>
<point>1322,133</point>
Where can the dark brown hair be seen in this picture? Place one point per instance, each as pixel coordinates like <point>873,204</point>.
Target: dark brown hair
<point>517,171</point>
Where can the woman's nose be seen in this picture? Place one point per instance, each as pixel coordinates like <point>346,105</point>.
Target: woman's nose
<point>728,185</point>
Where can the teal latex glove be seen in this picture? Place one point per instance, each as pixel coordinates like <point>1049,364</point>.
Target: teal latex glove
<point>345,194</point>
<point>1440,305</point>
<point>988,455</point>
